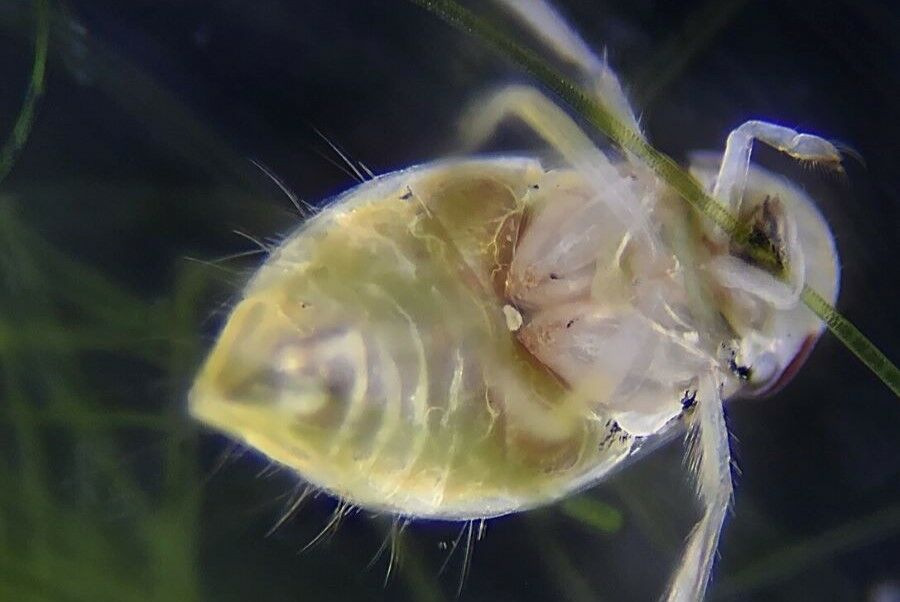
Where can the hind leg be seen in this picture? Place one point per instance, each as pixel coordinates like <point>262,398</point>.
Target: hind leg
<point>559,36</point>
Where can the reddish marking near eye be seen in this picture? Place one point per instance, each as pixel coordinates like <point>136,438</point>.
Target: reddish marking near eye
<point>791,370</point>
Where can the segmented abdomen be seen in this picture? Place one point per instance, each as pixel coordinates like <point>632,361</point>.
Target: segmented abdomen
<point>387,311</point>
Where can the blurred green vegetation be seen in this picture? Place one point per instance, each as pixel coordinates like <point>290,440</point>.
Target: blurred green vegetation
<point>77,522</point>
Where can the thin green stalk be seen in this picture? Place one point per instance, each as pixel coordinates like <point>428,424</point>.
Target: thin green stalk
<point>32,485</point>
<point>592,513</point>
<point>571,583</point>
<point>59,378</point>
<point>94,420</point>
<point>853,339</point>
<point>795,557</point>
<point>82,284</point>
<point>665,168</point>
<point>22,127</point>
<point>176,555</point>
<point>17,577</point>
<point>675,54</point>
<point>420,583</point>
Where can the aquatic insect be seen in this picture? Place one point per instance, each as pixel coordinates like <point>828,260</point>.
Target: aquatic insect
<point>474,337</point>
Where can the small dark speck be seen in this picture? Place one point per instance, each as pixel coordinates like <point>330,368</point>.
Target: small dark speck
<point>742,372</point>
<point>569,323</point>
<point>689,400</point>
<point>535,187</point>
<point>407,195</point>
<point>554,276</point>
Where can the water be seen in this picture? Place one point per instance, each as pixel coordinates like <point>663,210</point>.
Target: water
<point>138,160</point>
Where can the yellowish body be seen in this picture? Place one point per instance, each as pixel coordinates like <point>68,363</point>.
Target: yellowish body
<point>407,349</point>
<point>372,354</point>
<point>470,338</point>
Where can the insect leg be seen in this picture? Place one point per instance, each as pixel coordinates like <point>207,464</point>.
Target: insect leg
<point>735,273</point>
<point>560,131</point>
<point>729,189</point>
<point>709,458</point>
<point>733,173</point>
<point>552,29</point>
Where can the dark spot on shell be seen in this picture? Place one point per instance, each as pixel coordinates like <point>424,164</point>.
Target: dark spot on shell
<point>742,372</point>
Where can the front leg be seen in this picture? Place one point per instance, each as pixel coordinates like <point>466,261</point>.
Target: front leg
<point>732,178</point>
<point>730,184</point>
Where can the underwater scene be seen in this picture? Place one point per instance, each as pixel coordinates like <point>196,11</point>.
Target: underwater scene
<point>156,154</point>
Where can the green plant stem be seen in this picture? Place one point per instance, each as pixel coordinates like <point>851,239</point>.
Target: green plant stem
<point>22,127</point>
<point>792,558</point>
<point>571,583</point>
<point>853,339</point>
<point>672,58</point>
